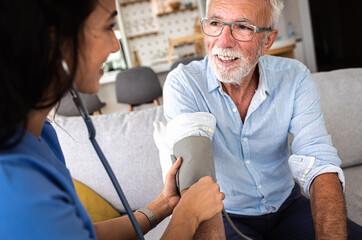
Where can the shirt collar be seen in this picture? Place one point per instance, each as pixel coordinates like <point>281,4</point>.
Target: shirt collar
<point>212,82</point>
<point>263,87</point>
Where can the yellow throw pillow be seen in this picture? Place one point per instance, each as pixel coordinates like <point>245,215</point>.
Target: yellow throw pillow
<point>97,208</point>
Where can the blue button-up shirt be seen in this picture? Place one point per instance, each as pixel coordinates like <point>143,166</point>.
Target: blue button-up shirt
<point>252,162</point>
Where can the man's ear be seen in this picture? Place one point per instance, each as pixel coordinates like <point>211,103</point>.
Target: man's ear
<point>272,36</point>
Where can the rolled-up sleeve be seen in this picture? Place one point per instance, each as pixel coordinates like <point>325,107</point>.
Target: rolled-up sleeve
<point>313,153</point>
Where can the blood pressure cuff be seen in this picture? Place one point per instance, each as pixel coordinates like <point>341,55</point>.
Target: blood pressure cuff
<point>197,160</point>
<point>189,136</point>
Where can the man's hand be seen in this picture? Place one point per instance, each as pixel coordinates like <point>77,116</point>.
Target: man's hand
<point>328,207</point>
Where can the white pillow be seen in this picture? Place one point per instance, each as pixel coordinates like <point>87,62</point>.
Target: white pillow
<point>187,124</point>
<point>165,152</point>
<point>127,142</point>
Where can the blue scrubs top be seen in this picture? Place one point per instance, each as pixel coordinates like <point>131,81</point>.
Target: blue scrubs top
<point>37,196</point>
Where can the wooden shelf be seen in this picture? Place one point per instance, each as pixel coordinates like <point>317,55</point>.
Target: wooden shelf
<point>177,10</point>
<point>125,3</point>
<point>287,51</point>
<point>183,44</point>
<point>142,35</point>
<point>182,40</point>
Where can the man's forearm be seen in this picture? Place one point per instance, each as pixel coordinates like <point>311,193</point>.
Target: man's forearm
<point>211,229</point>
<point>328,207</point>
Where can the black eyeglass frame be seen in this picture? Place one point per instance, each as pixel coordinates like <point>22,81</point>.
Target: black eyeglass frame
<point>256,29</point>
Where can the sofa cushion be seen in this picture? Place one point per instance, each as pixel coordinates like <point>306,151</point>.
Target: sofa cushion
<point>127,142</point>
<point>353,193</point>
<point>97,208</point>
<point>341,102</point>
<point>165,152</point>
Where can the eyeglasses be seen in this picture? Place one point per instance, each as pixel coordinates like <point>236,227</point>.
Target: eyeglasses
<point>240,31</point>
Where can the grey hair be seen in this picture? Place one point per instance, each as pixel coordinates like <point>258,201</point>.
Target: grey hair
<point>276,9</point>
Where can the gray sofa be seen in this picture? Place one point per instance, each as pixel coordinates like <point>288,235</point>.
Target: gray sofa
<point>127,142</point>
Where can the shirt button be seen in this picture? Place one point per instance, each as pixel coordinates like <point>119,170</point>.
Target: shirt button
<point>260,187</point>
<point>263,201</point>
<point>245,139</point>
<point>247,161</point>
<point>234,109</point>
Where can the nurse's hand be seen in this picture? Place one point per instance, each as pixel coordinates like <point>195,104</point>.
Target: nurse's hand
<point>201,201</point>
<point>170,192</point>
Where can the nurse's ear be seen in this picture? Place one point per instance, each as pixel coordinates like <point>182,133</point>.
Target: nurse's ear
<point>61,48</point>
<point>52,41</point>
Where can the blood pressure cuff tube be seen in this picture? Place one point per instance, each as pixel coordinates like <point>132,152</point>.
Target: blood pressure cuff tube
<point>190,136</point>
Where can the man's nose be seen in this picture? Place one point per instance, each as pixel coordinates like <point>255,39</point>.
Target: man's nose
<point>225,39</point>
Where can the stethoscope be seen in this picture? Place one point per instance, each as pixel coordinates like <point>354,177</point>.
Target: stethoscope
<point>92,133</point>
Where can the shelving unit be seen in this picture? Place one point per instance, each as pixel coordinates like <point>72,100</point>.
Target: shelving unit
<point>287,51</point>
<point>142,35</point>
<point>181,40</point>
<point>183,44</point>
<point>177,10</point>
<point>148,24</point>
<point>125,3</point>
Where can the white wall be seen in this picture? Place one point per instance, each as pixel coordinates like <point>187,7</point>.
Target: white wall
<point>307,34</point>
<point>297,13</point>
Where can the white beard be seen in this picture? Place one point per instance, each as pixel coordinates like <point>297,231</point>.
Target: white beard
<point>236,72</point>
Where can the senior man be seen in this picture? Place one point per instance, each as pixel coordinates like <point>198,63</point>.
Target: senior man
<point>257,101</point>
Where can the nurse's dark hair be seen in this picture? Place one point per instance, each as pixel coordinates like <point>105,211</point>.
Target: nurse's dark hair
<point>34,33</point>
